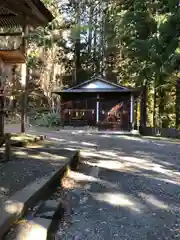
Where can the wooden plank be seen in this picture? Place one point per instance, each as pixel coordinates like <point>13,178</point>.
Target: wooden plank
<point>79,110</point>
<point>12,56</point>
<point>10,33</point>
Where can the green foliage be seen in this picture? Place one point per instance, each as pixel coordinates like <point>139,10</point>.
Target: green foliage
<point>48,120</point>
<point>133,42</point>
<point>147,38</point>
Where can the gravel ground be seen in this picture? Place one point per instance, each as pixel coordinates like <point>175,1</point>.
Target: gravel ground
<point>126,188</point>
<point>27,165</point>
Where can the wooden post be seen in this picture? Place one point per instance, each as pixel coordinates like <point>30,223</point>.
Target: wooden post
<point>24,75</point>
<point>143,108</point>
<point>7,147</point>
<point>1,112</point>
<point>97,109</point>
<point>132,111</point>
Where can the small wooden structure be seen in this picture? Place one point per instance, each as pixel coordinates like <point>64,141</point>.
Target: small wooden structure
<point>98,102</point>
<point>20,15</point>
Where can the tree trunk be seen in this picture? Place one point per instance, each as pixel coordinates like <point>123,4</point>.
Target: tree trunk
<point>90,30</point>
<point>161,93</point>
<point>78,47</point>
<point>143,110</point>
<point>154,109</point>
<point>178,104</point>
<point>95,58</point>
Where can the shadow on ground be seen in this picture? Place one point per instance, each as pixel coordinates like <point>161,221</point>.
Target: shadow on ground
<point>135,194</point>
<point>28,165</point>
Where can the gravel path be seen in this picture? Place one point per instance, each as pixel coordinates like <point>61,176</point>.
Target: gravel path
<point>28,165</point>
<point>126,188</point>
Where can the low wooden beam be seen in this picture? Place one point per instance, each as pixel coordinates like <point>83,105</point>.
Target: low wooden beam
<point>10,33</point>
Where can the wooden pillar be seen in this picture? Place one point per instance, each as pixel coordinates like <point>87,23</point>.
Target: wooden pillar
<point>132,112</point>
<point>62,111</point>
<point>2,80</point>
<point>24,79</point>
<point>1,112</point>
<point>135,113</point>
<point>97,109</point>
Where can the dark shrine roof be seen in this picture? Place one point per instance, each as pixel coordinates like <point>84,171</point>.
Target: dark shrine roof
<point>96,85</point>
<point>14,12</point>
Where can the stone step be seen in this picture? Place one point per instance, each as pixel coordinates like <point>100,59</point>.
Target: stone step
<point>13,209</point>
<point>41,225</point>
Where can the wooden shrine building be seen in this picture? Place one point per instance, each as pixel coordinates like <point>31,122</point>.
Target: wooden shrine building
<point>15,19</point>
<point>98,102</point>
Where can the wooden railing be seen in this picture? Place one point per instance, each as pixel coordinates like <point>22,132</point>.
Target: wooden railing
<point>162,132</point>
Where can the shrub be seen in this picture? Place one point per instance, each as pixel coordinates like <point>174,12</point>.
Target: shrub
<point>47,119</point>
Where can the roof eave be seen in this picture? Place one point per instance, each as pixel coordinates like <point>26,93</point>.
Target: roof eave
<point>42,12</point>
<point>93,91</point>
<point>30,12</point>
<point>100,79</point>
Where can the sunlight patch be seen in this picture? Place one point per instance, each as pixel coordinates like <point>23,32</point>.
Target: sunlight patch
<point>73,142</point>
<point>70,149</point>
<point>57,139</point>
<point>22,153</point>
<point>82,177</point>
<point>4,190</point>
<point>115,165</point>
<point>109,153</point>
<point>153,201</point>
<point>13,206</point>
<point>159,169</point>
<point>88,144</point>
<point>134,160</point>
<point>37,156</point>
<point>91,179</point>
<point>90,153</point>
<point>118,199</point>
<point>52,156</point>
<point>37,231</point>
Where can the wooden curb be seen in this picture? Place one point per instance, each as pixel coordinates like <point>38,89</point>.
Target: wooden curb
<point>15,207</point>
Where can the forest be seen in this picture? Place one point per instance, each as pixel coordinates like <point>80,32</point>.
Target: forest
<point>131,42</point>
